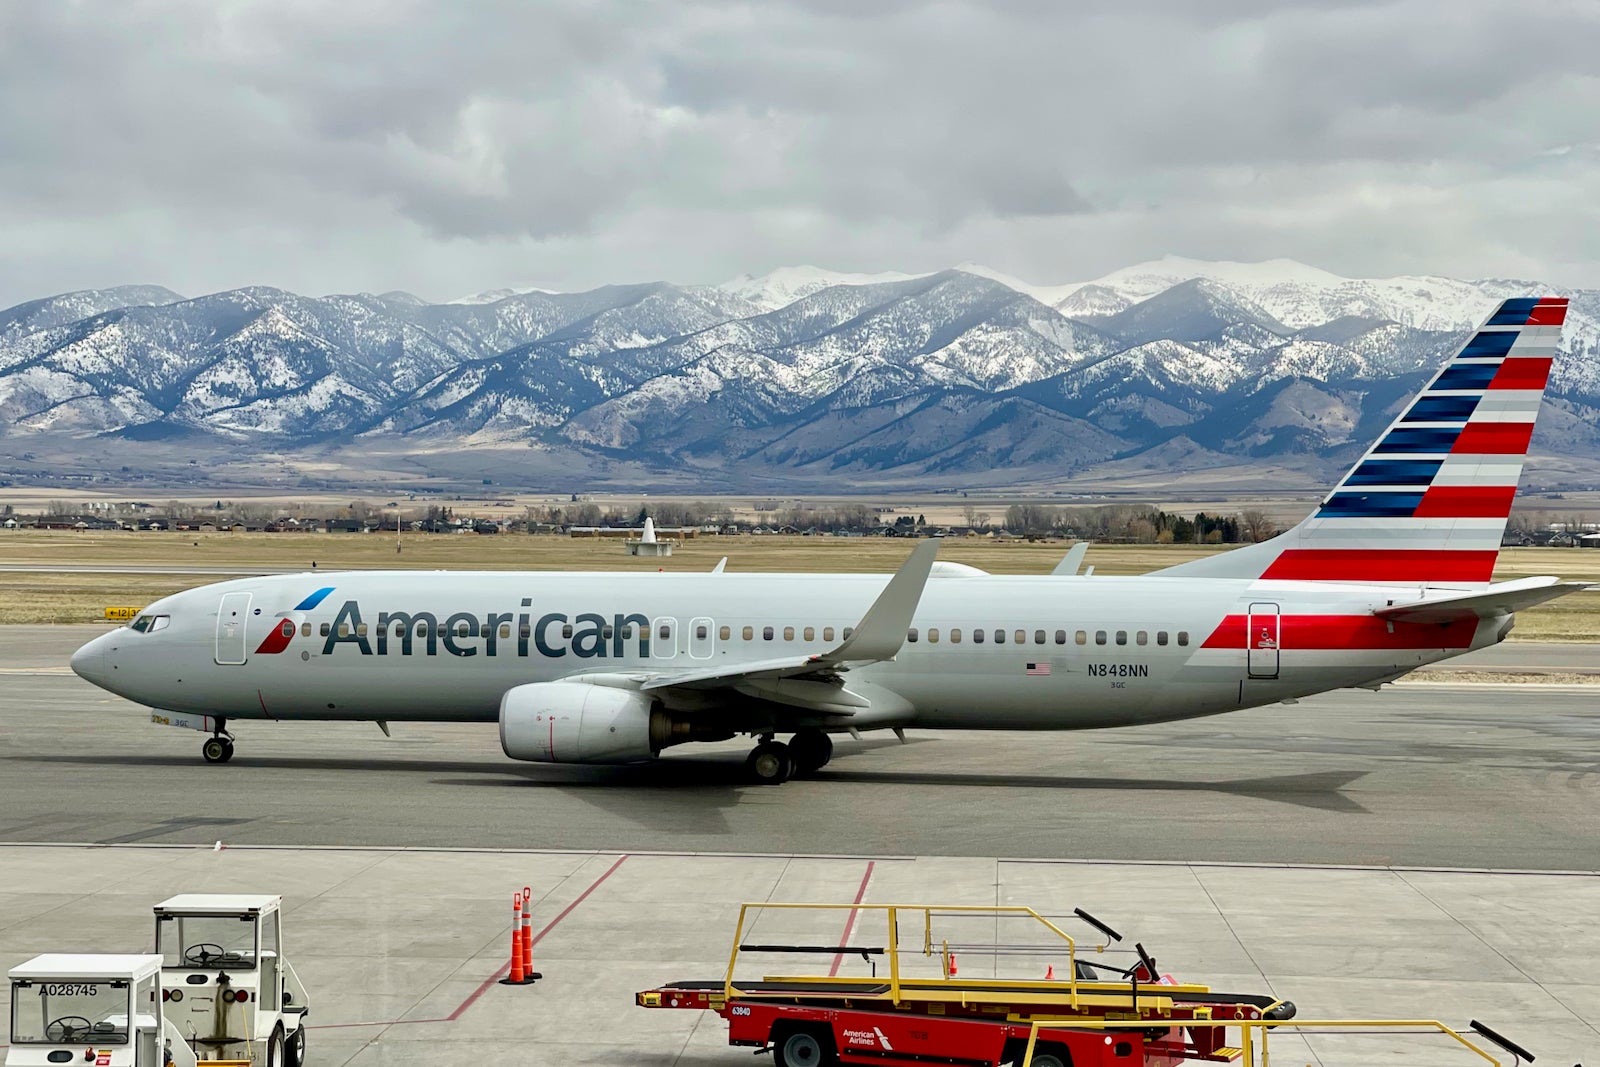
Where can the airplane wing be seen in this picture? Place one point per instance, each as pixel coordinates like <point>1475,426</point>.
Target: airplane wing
<point>1071,561</point>
<point>878,637</point>
<point>1501,599</point>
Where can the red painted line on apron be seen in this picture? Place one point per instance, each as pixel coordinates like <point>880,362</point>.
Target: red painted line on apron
<point>850,923</point>
<point>504,969</point>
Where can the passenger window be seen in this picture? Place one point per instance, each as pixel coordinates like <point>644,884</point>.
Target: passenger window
<point>701,632</point>
<point>911,635</point>
<point>606,632</point>
<point>1141,638</point>
<point>766,633</point>
<point>305,629</point>
<point>399,629</point>
<point>1122,637</point>
<point>999,637</point>
<point>566,631</point>
<point>809,633</point>
<point>664,631</point>
<point>1183,637</point>
<point>1161,637</point>
<point>361,630</point>
<point>1061,637</point>
<point>462,630</point>
<point>505,630</point>
<point>827,633</point>
<point>977,637</point>
<point>933,635</point>
<point>344,629</point>
<point>1099,637</point>
<point>724,633</point>
<point>955,635</point>
<point>524,631</point>
<point>1081,637</point>
<point>1038,637</point>
<point>1020,637</point>
<point>788,633</point>
<point>325,629</point>
<point>749,633</point>
<point>848,630</point>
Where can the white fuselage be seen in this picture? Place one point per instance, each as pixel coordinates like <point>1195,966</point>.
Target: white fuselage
<point>1187,646</point>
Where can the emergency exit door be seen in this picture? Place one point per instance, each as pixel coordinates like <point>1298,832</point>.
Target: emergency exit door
<point>231,616</point>
<point>1262,631</point>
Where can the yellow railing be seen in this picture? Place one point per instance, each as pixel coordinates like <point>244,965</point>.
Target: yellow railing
<point>892,914</point>
<point>1254,1033</point>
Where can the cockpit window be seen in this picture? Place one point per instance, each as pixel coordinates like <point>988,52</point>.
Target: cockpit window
<point>149,624</point>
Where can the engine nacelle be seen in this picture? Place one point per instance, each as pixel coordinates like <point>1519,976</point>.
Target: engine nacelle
<point>574,722</point>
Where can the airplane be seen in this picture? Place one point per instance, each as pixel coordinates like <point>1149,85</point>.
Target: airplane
<point>1392,571</point>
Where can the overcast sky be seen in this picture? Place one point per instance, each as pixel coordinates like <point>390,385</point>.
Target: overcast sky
<point>452,147</point>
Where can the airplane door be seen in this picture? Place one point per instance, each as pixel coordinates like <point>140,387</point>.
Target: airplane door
<point>1261,640</point>
<point>702,641</point>
<point>665,644</point>
<point>231,616</point>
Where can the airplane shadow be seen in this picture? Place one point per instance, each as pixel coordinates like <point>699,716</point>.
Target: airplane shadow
<point>723,775</point>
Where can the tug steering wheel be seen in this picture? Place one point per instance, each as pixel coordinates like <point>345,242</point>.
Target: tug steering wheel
<point>64,1028</point>
<point>203,954</point>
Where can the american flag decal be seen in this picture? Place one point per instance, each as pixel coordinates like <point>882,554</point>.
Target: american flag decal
<point>1042,669</point>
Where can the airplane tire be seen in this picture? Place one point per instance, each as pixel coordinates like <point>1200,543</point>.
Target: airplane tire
<point>769,763</point>
<point>217,750</point>
<point>810,750</point>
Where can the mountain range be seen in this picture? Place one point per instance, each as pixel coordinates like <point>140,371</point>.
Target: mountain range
<point>1175,370</point>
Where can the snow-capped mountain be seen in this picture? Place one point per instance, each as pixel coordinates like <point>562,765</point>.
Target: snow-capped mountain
<point>804,376</point>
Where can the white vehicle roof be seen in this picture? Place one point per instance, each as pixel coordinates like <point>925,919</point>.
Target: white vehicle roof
<point>83,966</point>
<point>218,903</point>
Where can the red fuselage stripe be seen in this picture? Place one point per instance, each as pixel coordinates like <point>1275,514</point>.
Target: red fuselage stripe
<point>1352,632</point>
<point>1382,565</point>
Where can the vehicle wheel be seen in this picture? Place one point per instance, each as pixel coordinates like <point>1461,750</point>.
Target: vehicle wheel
<point>1047,1059</point>
<point>811,750</point>
<point>275,1047</point>
<point>217,750</point>
<point>802,1048</point>
<point>769,763</point>
<point>294,1050</point>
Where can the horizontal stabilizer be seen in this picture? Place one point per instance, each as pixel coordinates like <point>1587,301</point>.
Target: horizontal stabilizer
<point>1501,599</point>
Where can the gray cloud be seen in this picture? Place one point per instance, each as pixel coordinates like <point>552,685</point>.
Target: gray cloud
<point>452,147</point>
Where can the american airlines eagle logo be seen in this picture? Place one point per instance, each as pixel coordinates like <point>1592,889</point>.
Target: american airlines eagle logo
<point>282,633</point>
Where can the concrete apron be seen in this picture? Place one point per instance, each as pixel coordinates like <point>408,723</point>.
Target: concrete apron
<point>400,949</point>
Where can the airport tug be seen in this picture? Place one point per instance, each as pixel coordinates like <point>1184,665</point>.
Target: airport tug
<point>87,1008</point>
<point>226,983</point>
<point>906,1002</point>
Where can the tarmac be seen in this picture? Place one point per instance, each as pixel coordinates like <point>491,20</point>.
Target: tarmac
<point>1427,851</point>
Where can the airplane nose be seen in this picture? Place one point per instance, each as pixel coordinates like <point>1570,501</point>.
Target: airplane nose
<point>89,662</point>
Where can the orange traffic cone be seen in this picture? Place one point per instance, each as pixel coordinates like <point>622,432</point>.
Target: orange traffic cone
<point>528,973</point>
<point>518,964</point>
<point>1050,973</point>
<point>952,965</point>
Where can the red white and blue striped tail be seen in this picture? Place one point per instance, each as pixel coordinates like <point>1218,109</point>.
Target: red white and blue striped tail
<point>1428,503</point>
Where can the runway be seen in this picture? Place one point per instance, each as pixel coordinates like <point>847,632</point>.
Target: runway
<point>1436,776</point>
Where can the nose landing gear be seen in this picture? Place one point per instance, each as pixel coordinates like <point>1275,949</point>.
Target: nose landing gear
<point>219,746</point>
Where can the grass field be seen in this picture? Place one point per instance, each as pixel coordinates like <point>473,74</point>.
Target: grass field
<point>45,597</point>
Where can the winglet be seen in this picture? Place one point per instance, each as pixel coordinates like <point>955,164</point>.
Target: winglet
<point>1071,561</point>
<point>721,565</point>
<point>882,630</point>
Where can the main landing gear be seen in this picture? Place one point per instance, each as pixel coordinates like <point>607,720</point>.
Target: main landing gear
<point>219,746</point>
<point>773,762</point>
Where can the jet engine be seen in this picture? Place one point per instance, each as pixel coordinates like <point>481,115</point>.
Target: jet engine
<point>567,722</point>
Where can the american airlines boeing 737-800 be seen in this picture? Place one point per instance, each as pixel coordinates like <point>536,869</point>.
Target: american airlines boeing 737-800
<point>1391,572</point>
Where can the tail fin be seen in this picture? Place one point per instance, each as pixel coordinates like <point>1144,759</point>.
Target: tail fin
<point>1428,503</point>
